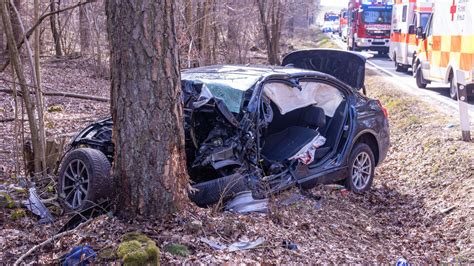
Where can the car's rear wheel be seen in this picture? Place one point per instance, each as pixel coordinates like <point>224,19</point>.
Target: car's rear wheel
<point>398,67</point>
<point>84,179</point>
<point>361,168</point>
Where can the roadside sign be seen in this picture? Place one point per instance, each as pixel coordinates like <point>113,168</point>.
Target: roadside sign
<point>463,106</point>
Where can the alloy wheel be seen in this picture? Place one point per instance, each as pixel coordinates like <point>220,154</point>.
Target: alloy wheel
<point>361,170</point>
<point>75,183</point>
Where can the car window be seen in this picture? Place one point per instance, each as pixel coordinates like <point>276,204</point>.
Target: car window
<point>404,13</point>
<point>428,30</point>
<point>424,19</point>
<point>288,97</point>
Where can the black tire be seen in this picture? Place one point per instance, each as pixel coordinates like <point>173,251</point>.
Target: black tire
<point>398,67</point>
<point>84,171</point>
<point>361,169</point>
<point>212,191</point>
<point>420,83</point>
<point>453,88</point>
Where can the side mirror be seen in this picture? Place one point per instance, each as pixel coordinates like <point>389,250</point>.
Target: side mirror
<point>419,33</point>
<point>411,29</point>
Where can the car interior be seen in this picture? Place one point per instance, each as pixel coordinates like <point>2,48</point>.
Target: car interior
<point>319,112</point>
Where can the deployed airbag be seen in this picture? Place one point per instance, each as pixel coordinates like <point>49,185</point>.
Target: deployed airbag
<point>288,98</point>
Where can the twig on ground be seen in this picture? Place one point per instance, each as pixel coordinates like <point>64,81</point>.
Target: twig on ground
<point>49,240</point>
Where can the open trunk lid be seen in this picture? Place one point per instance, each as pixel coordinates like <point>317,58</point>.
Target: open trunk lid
<point>349,67</point>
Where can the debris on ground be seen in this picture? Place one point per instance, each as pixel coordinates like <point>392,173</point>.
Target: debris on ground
<point>79,255</point>
<point>37,207</point>
<point>243,202</point>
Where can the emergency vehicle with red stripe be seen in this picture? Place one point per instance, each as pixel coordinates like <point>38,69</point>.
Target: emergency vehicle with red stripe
<point>446,49</point>
<point>369,25</point>
<point>407,15</point>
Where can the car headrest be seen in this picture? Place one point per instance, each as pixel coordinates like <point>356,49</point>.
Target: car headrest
<point>313,117</point>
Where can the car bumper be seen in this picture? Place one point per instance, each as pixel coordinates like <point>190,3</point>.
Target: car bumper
<point>372,44</point>
<point>384,142</point>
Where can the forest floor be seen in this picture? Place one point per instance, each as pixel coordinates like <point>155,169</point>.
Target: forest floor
<point>420,207</point>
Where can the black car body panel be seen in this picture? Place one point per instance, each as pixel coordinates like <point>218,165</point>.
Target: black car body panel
<point>229,116</point>
<point>346,66</point>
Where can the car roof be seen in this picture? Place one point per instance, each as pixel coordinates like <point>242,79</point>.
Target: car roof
<point>251,70</point>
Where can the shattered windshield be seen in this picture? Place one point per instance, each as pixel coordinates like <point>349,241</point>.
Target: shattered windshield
<point>229,87</point>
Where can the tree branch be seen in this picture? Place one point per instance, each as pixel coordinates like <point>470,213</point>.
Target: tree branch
<point>63,94</point>
<point>40,19</point>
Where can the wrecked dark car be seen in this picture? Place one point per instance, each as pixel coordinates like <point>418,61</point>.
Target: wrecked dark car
<point>257,128</point>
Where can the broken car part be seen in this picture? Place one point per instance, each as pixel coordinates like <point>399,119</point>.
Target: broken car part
<point>34,204</point>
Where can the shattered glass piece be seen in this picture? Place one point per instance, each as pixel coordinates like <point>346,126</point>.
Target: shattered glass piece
<point>246,244</point>
<point>244,202</point>
<point>37,207</point>
<point>204,97</point>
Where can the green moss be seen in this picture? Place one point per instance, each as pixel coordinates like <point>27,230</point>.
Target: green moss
<point>17,214</point>
<point>55,108</point>
<point>177,250</point>
<point>8,201</point>
<point>138,249</point>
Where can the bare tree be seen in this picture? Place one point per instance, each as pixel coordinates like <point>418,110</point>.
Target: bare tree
<point>2,40</point>
<point>30,105</point>
<point>146,108</point>
<point>84,29</point>
<point>271,19</point>
<point>54,21</point>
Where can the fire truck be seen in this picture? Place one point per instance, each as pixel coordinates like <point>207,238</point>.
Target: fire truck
<point>369,25</point>
<point>446,50</point>
<point>407,15</point>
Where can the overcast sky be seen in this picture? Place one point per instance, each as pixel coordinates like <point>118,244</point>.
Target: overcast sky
<point>341,3</point>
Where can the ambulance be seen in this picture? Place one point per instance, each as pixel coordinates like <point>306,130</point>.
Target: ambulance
<point>407,15</point>
<point>446,49</point>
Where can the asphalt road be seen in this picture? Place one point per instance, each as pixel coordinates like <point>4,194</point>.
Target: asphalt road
<point>436,93</point>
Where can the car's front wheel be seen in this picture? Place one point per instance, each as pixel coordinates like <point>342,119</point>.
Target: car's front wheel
<point>84,179</point>
<point>420,82</point>
<point>361,168</point>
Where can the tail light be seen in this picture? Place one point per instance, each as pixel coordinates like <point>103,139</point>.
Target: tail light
<point>384,110</point>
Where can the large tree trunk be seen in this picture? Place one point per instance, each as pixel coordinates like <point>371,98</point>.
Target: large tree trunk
<point>149,161</point>
<point>84,30</point>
